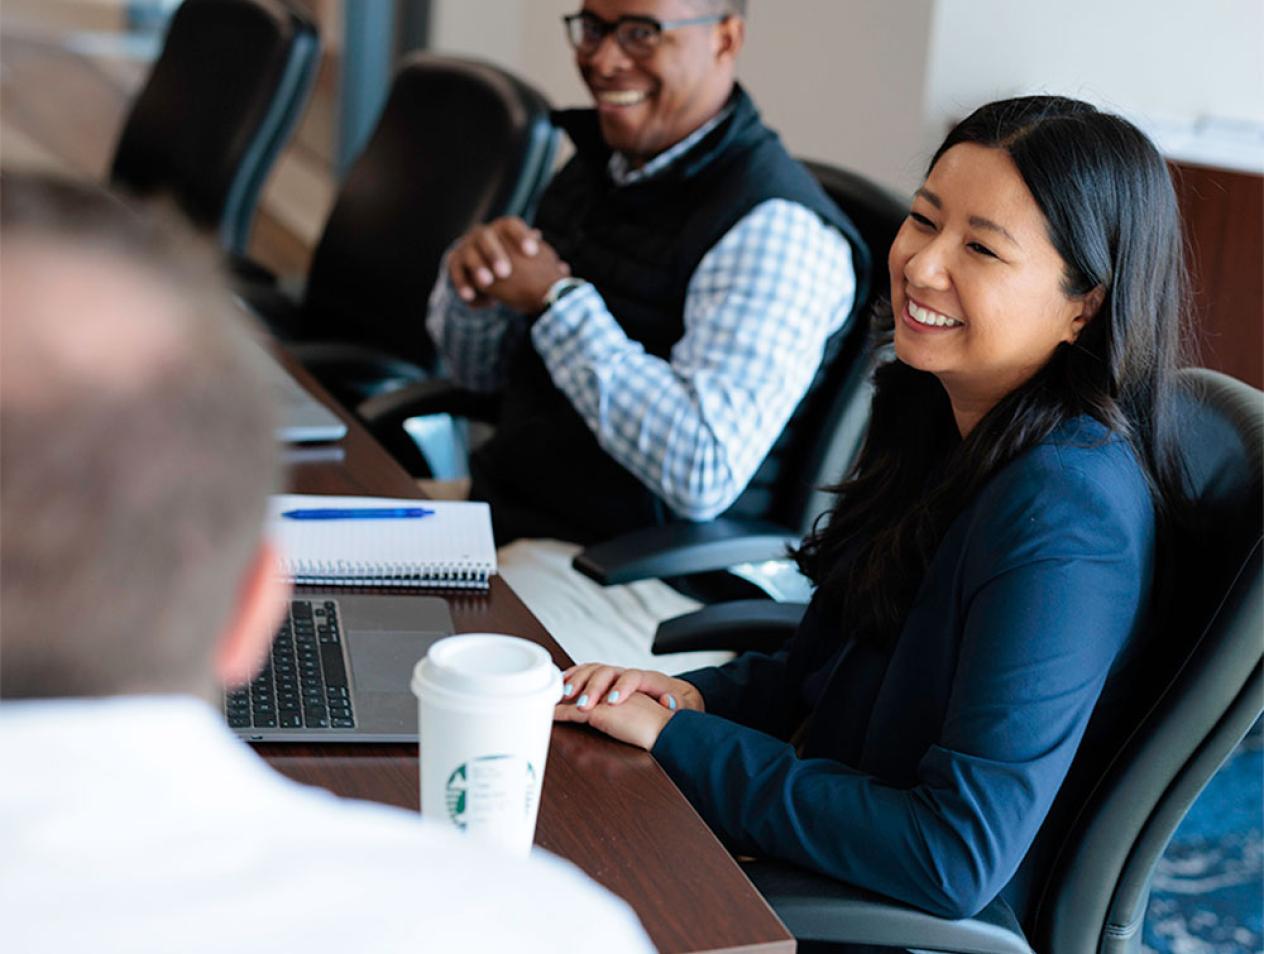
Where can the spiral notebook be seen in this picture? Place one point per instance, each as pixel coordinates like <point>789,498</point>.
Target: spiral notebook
<point>450,549</point>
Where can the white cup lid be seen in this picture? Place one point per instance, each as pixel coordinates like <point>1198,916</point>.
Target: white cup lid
<point>485,664</point>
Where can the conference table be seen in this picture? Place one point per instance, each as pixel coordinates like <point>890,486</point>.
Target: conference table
<point>605,806</point>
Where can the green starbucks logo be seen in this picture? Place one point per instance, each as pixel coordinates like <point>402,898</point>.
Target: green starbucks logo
<point>486,786</point>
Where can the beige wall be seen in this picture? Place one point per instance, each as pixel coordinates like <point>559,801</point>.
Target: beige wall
<point>1161,62</point>
<point>870,84</point>
<point>819,69</point>
<point>843,80</point>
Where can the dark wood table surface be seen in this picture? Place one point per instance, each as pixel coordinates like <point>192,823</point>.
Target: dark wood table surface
<point>605,806</point>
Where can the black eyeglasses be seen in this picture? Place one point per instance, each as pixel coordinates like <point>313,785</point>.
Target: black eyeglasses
<point>637,36</point>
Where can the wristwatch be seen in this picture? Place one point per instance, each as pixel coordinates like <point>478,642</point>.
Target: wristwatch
<point>560,289</point>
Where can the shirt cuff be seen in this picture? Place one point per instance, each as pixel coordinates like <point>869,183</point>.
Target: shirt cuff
<point>679,747</point>
<point>709,684</point>
<point>677,733</point>
<point>577,326</point>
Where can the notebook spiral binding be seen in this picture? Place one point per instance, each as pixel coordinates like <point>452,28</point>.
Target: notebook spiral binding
<point>462,575</point>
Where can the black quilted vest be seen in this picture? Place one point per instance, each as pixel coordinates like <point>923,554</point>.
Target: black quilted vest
<point>543,472</point>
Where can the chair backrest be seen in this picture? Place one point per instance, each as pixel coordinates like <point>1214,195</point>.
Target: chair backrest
<point>1201,688</point>
<point>459,142</point>
<point>825,430</point>
<point>218,106</point>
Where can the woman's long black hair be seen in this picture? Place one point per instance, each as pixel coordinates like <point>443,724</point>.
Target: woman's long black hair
<point>1111,212</point>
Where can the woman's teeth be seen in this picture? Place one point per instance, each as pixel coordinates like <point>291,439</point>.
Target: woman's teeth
<point>924,316</point>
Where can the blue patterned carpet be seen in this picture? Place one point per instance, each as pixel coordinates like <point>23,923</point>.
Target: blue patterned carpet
<point>1208,894</point>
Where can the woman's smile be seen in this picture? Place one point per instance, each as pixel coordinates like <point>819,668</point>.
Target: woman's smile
<point>923,319</point>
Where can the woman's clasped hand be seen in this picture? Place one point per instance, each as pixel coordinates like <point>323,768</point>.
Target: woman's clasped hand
<point>631,705</point>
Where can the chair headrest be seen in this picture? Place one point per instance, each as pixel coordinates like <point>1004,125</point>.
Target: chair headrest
<point>876,211</point>
<point>1221,441</point>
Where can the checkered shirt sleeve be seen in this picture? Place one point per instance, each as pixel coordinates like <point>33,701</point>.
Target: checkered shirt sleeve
<point>758,310</point>
<point>476,343</point>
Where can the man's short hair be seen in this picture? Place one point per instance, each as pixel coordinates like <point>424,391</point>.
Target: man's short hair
<point>735,8</point>
<point>137,448</point>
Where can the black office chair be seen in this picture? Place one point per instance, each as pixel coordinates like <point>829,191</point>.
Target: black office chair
<point>1088,872</point>
<point>784,497</point>
<point>218,106</point>
<point>458,142</point>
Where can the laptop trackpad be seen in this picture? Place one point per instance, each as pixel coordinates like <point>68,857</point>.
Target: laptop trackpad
<point>383,661</point>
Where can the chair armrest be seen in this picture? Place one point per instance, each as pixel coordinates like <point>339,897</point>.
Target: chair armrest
<point>277,311</point>
<point>384,415</point>
<point>740,625</point>
<point>679,549</point>
<point>429,396</point>
<point>816,908</point>
<point>353,370</point>
<point>246,271</point>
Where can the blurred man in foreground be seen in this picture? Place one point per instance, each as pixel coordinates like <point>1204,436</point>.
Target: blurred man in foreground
<point>136,455</point>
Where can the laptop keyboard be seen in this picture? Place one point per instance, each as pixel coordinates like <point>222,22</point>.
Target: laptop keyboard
<point>304,683</point>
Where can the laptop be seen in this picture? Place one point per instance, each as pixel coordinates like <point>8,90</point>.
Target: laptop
<point>303,419</point>
<point>340,670</point>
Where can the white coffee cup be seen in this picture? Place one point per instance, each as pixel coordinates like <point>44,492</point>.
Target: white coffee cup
<point>485,702</point>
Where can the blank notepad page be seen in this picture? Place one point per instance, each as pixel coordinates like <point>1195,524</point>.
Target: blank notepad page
<point>452,548</point>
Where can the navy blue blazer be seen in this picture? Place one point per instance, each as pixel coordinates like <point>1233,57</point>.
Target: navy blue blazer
<point>929,766</point>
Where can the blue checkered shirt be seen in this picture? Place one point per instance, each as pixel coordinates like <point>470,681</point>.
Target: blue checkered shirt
<point>758,310</point>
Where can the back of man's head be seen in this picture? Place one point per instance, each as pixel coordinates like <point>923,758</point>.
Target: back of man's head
<point>735,8</point>
<point>136,449</point>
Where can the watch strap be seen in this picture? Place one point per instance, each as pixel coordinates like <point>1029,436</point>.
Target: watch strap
<point>560,289</point>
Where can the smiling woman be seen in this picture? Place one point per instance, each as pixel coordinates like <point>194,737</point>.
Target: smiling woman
<point>976,283</point>
<point>1051,232</point>
<point>984,578</point>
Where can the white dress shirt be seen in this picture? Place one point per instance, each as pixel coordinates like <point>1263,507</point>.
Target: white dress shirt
<point>141,825</point>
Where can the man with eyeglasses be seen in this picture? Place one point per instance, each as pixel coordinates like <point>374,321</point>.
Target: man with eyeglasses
<point>656,329</point>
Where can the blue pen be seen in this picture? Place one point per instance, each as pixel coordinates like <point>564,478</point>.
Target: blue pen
<point>363,513</point>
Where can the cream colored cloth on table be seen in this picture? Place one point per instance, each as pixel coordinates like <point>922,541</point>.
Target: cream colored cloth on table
<point>595,623</point>
<point>458,489</point>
